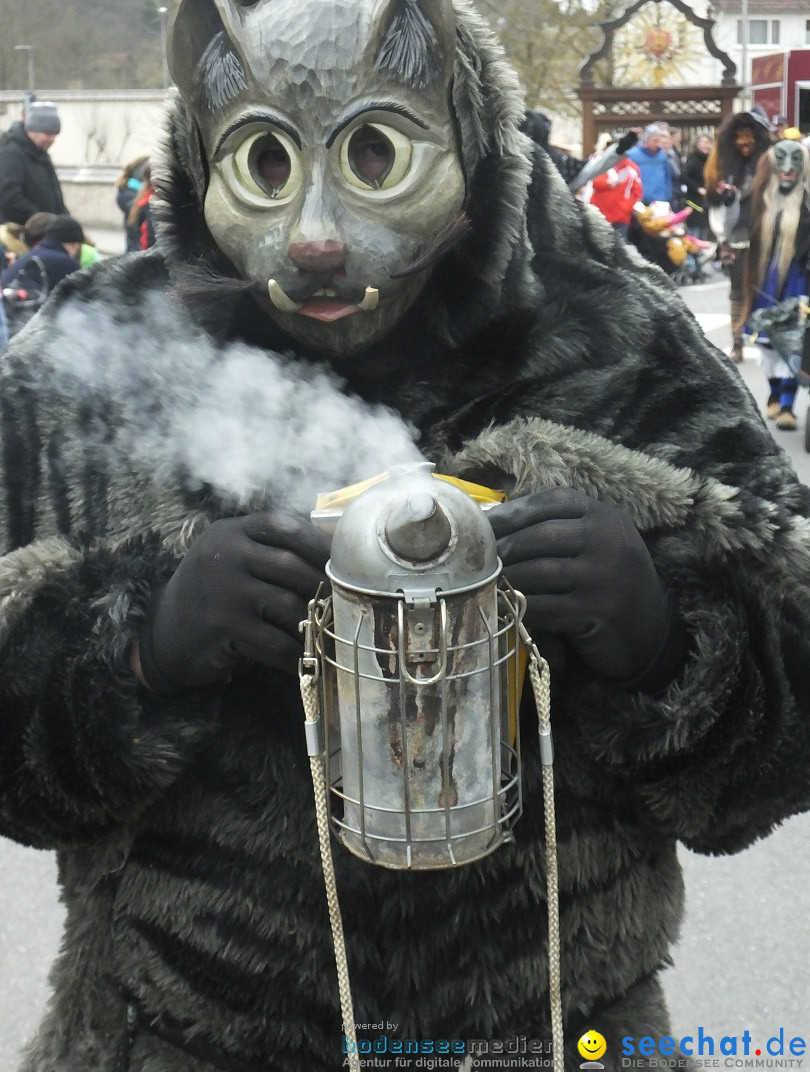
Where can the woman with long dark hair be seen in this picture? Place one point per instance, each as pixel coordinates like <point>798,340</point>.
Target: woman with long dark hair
<point>741,142</point>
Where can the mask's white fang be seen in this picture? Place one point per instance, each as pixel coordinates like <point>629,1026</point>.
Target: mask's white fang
<point>282,301</point>
<point>370,301</point>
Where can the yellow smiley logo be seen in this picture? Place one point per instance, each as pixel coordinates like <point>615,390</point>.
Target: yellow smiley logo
<point>592,1046</point>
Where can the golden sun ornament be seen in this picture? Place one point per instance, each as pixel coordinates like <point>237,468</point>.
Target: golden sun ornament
<point>658,43</point>
<point>657,48</point>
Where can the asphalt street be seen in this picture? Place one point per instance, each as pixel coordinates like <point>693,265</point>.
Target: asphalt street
<point>742,960</point>
<point>741,964</point>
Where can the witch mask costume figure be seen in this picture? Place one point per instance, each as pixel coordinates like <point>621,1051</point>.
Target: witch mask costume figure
<point>778,267</point>
<point>347,209</point>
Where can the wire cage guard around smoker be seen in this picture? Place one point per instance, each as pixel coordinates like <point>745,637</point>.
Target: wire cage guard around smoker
<point>411,682</point>
<point>418,778</point>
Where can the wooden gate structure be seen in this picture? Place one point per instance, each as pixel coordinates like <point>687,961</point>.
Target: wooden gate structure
<point>694,109</point>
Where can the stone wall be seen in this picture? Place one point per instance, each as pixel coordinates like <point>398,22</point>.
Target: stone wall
<point>98,129</point>
<point>93,202</point>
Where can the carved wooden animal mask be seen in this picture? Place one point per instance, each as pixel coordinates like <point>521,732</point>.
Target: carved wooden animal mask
<point>332,152</point>
<point>789,161</point>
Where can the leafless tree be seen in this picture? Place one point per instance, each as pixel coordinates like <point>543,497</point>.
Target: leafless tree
<point>84,44</point>
<point>548,40</point>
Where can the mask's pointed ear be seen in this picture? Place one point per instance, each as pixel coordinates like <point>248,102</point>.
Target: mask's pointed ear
<point>203,62</point>
<point>418,40</point>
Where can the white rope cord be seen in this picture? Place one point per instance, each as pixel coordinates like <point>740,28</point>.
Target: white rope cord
<point>317,764</point>
<point>539,676</point>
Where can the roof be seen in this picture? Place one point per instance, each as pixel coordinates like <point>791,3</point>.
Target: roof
<point>762,7</point>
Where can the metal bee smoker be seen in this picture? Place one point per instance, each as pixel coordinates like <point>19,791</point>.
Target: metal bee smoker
<point>411,681</point>
<point>417,652</point>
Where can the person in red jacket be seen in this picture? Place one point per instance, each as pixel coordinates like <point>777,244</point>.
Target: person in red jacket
<point>615,192</point>
<point>140,214</point>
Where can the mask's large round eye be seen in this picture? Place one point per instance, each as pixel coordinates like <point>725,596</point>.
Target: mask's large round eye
<point>375,157</point>
<point>267,164</point>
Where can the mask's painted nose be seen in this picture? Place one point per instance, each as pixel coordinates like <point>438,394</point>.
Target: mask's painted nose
<point>318,257</point>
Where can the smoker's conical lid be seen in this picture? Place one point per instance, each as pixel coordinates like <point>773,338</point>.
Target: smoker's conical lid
<point>418,529</point>
<point>413,532</point>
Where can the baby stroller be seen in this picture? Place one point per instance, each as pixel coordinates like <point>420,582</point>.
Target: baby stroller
<point>699,255</point>
<point>659,235</point>
<point>784,327</point>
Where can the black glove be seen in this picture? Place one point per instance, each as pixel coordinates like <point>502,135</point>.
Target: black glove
<point>626,141</point>
<point>728,196</point>
<point>587,574</point>
<point>237,597</point>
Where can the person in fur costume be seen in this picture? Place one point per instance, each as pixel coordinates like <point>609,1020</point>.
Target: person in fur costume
<point>729,174</point>
<point>779,257</point>
<point>361,260</point>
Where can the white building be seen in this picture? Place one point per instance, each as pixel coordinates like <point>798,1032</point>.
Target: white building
<point>774,26</point>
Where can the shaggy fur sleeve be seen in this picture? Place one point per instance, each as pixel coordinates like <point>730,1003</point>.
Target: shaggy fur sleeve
<point>723,753</point>
<point>83,746</point>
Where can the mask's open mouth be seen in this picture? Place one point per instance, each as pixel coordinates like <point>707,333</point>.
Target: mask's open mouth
<point>328,310</point>
<point>323,305</point>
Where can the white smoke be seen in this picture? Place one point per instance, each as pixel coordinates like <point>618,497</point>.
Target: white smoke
<point>252,425</point>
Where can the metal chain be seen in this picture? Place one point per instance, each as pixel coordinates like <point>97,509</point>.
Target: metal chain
<point>540,677</point>
<point>317,765</point>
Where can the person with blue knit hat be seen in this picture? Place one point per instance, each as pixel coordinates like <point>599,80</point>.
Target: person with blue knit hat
<point>28,180</point>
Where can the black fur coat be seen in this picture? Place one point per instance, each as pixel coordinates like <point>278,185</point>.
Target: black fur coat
<point>544,353</point>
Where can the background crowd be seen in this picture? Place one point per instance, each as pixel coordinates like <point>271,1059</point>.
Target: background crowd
<point>40,242</point>
<point>683,206</point>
